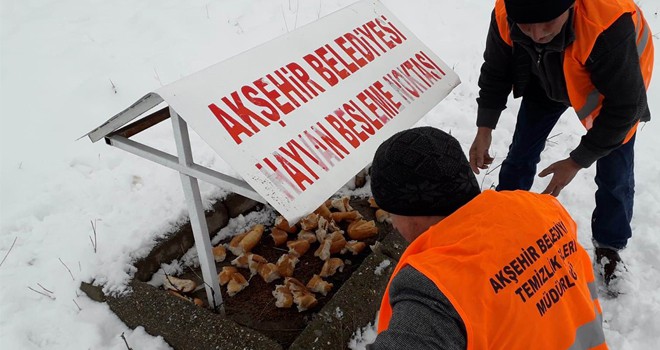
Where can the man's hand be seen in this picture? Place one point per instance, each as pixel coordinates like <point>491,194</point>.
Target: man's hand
<point>479,157</point>
<point>564,171</point>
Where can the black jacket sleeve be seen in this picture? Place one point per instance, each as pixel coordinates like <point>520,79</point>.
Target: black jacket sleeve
<point>422,317</point>
<point>615,72</point>
<point>496,78</point>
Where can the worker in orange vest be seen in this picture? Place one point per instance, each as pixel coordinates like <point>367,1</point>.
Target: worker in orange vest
<point>491,270</point>
<point>593,55</point>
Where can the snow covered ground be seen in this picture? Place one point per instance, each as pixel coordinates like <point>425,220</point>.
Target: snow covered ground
<point>67,66</point>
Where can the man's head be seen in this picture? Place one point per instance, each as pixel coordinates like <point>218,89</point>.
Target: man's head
<point>422,175</point>
<point>541,20</point>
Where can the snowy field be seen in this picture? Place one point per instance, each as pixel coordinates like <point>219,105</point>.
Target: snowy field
<point>67,66</point>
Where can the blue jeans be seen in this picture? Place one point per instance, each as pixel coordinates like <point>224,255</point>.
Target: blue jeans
<point>610,222</point>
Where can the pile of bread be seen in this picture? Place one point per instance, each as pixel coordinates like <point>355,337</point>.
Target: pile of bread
<point>322,227</point>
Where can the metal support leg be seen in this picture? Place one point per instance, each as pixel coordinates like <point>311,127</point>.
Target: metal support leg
<point>197,218</point>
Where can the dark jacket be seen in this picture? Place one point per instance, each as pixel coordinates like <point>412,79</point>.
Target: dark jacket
<point>536,72</point>
<point>424,317</point>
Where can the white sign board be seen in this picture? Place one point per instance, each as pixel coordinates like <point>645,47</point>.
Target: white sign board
<point>299,116</point>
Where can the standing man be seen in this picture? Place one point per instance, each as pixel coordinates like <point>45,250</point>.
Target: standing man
<point>491,270</point>
<point>593,55</point>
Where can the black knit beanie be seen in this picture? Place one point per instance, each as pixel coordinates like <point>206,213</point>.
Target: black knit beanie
<point>536,11</point>
<point>422,172</point>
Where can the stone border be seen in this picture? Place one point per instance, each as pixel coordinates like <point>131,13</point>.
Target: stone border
<point>182,324</point>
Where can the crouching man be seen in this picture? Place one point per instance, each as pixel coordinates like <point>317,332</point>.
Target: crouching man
<point>491,270</point>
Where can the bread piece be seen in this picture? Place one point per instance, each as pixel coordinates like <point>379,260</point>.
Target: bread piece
<point>282,224</point>
<point>234,244</point>
<point>342,204</point>
<point>323,211</point>
<point>269,272</point>
<point>283,296</point>
<point>254,262</point>
<point>242,261</point>
<point>178,284</point>
<point>318,285</point>
<point>323,251</point>
<point>310,222</point>
<point>286,264</point>
<point>322,229</point>
<point>362,229</point>
<point>225,275</point>
<point>305,301</point>
<point>338,242</point>
<point>295,286</point>
<point>298,247</point>
<point>308,236</point>
<point>353,247</point>
<point>383,216</point>
<point>219,253</point>
<point>302,296</point>
<point>331,266</point>
<point>252,238</point>
<point>236,284</point>
<point>346,216</point>
<point>333,226</point>
<point>279,236</point>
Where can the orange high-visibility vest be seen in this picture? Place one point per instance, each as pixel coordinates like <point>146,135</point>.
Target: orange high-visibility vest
<point>590,19</point>
<point>510,264</point>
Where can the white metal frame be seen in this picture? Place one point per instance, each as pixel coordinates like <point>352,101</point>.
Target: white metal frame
<point>190,173</point>
<point>196,212</point>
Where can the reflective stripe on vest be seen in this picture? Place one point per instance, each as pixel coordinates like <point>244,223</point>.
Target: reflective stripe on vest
<point>642,35</point>
<point>590,335</point>
<point>590,105</point>
<point>593,289</point>
<point>510,265</point>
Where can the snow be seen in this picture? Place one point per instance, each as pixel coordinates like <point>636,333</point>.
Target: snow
<point>339,314</point>
<point>362,336</point>
<point>67,66</point>
<point>379,269</point>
